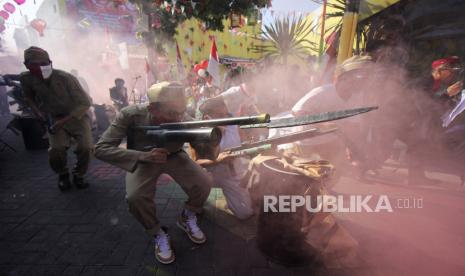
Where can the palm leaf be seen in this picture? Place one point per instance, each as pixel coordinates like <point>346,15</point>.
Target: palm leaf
<point>285,37</point>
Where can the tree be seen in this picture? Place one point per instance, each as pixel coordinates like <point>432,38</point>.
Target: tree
<point>283,38</point>
<point>164,16</point>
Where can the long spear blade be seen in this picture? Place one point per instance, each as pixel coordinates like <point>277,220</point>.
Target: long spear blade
<point>313,119</point>
<point>286,138</point>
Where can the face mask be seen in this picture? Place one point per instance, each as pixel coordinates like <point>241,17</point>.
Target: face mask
<point>46,71</point>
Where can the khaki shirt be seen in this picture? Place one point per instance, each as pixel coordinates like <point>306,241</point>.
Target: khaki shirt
<point>60,95</point>
<point>107,148</point>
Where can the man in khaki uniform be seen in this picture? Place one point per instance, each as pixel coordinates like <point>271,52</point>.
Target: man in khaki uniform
<point>56,96</point>
<point>167,104</point>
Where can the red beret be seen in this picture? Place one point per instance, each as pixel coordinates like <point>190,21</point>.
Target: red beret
<point>448,60</point>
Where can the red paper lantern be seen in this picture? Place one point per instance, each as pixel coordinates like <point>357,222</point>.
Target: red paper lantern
<point>9,7</point>
<point>4,15</point>
<point>20,2</point>
<point>39,25</point>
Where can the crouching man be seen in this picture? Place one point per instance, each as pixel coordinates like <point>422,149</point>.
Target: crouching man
<point>166,104</point>
<point>226,169</point>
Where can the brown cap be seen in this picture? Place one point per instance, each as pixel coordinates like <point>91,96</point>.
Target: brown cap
<point>166,91</point>
<point>354,63</point>
<point>35,54</point>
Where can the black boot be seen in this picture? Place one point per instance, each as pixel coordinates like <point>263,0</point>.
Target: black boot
<point>79,182</point>
<point>63,182</point>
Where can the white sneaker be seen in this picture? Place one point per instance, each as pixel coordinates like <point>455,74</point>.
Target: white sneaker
<point>188,222</point>
<point>163,252</point>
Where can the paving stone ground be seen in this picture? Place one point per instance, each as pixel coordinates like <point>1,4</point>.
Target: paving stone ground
<point>90,232</point>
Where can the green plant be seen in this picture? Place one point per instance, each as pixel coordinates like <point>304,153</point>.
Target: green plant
<point>283,38</point>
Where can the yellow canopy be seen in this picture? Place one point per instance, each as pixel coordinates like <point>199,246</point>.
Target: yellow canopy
<point>371,7</point>
<point>367,9</point>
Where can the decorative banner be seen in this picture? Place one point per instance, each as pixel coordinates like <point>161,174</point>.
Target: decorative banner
<point>39,25</point>
<point>117,3</point>
<point>103,14</point>
<point>9,7</point>
<point>126,21</point>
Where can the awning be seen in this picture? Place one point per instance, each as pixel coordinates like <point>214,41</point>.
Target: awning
<point>369,8</point>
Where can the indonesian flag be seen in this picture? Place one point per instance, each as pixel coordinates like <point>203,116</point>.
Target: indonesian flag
<point>214,65</point>
<point>147,66</point>
<point>181,72</point>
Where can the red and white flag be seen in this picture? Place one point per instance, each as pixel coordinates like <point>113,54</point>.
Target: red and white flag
<point>214,65</point>
<point>181,71</point>
<point>148,75</point>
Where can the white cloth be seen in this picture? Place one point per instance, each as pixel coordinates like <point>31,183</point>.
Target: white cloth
<point>459,108</point>
<point>236,98</point>
<point>46,71</point>
<point>237,197</point>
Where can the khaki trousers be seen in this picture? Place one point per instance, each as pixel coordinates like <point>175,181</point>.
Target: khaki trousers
<point>60,142</point>
<point>141,187</point>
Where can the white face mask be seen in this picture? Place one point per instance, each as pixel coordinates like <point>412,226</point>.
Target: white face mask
<point>46,71</point>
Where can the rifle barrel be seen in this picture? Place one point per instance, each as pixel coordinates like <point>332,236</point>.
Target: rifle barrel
<point>203,135</point>
<point>246,120</point>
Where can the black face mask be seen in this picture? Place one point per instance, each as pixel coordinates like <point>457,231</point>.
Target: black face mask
<point>35,71</point>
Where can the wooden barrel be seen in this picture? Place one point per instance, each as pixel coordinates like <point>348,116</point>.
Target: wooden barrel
<point>281,235</point>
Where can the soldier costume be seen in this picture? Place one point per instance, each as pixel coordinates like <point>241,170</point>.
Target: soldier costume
<point>142,175</point>
<point>57,97</point>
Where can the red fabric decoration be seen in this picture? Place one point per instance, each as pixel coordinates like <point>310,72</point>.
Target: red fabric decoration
<point>448,60</point>
<point>202,65</point>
